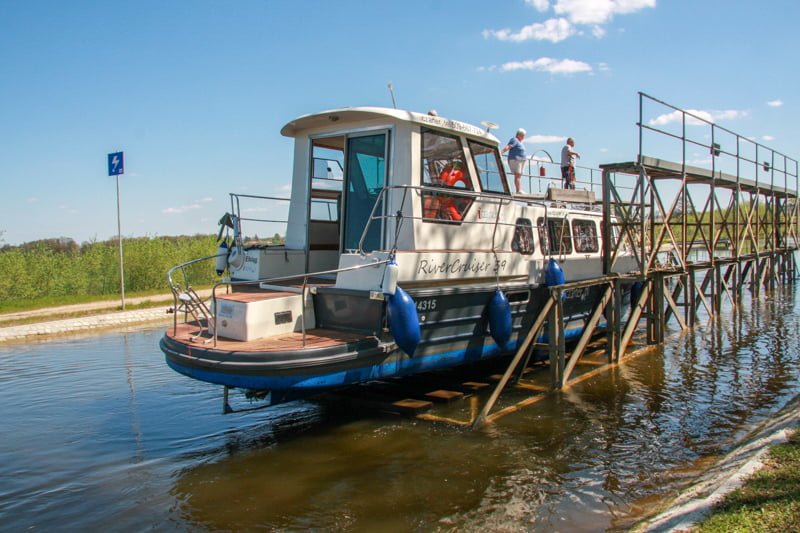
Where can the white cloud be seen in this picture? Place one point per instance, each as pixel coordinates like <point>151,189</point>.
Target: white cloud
<point>553,30</point>
<point>197,204</point>
<point>181,209</point>
<point>768,138</point>
<point>598,11</point>
<point>708,116</point>
<point>603,67</point>
<point>595,13</point>
<point>544,139</point>
<point>539,5</point>
<point>32,200</point>
<point>545,64</point>
<point>775,103</point>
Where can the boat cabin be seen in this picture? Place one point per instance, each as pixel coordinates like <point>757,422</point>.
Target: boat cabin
<point>370,183</point>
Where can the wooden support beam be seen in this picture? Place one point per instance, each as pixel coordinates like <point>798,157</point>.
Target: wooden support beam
<point>674,308</point>
<point>588,331</point>
<point>481,418</point>
<point>636,312</point>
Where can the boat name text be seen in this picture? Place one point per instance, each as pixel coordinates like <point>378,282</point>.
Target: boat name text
<point>431,266</point>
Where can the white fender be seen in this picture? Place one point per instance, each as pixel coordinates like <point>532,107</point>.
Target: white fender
<point>222,258</point>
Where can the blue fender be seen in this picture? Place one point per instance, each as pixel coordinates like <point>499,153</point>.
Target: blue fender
<point>401,313</point>
<point>500,318</point>
<point>553,275</point>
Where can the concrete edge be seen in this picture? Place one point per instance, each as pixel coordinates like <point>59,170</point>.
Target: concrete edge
<point>726,475</point>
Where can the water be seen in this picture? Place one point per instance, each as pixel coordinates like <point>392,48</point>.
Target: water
<point>99,434</point>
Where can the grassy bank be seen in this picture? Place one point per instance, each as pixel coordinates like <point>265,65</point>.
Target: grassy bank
<point>768,501</point>
<point>58,272</point>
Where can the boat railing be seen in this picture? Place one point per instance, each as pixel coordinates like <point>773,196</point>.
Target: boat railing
<point>187,300</point>
<point>401,194</point>
<point>496,221</point>
<point>244,206</point>
<point>541,174</point>
<point>229,284</point>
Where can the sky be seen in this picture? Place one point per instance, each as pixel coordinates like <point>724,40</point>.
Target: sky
<point>195,92</point>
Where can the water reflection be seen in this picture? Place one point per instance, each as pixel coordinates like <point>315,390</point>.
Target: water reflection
<point>100,433</point>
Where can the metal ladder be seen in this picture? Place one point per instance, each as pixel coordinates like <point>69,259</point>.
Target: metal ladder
<point>190,303</point>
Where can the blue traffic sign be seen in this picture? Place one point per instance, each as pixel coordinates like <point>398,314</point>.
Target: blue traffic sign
<point>116,165</point>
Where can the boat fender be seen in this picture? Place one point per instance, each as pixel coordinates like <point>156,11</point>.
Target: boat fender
<point>401,313</point>
<point>500,318</point>
<point>553,274</point>
<point>390,278</point>
<point>222,258</point>
<point>636,292</point>
<point>236,258</point>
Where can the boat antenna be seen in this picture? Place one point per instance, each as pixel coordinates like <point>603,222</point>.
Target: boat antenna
<point>489,125</point>
<point>391,91</point>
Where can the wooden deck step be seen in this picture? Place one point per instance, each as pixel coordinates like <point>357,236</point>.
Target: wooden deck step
<point>409,406</point>
<point>473,386</point>
<point>444,396</point>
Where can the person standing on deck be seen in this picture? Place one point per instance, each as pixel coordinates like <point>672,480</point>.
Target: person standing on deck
<point>568,158</point>
<point>516,157</point>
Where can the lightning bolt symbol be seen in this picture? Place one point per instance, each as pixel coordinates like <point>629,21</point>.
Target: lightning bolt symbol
<point>115,162</point>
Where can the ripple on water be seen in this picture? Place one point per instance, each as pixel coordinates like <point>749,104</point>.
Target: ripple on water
<point>100,432</point>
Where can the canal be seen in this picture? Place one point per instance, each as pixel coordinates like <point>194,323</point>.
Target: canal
<point>98,433</point>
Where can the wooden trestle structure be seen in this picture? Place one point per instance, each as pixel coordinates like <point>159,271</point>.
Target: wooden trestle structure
<point>700,237</point>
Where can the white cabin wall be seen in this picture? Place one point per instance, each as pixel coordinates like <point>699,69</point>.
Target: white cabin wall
<point>296,231</point>
<point>404,170</point>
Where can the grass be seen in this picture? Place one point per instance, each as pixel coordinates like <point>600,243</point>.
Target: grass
<point>768,501</point>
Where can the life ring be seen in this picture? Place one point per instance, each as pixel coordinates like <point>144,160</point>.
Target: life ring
<point>450,176</point>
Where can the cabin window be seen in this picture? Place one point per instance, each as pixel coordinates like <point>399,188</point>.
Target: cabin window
<point>584,233</point>
<point>490,168</point>
<point>523,237</point>
<point>554,236</point>
<point>445,177</point>
<point>365,178</point>
<point>327,170</point>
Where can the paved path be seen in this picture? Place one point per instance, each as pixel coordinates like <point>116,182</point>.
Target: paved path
<point>106,317</point>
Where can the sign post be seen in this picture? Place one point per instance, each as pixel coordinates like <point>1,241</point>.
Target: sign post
<point>116,167</point>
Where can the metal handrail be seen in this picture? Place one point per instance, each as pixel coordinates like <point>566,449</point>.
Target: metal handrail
<point>282,279</point>
<point>176,288</point>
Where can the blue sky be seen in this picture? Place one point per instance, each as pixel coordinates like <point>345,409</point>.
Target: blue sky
<point>195,93</point>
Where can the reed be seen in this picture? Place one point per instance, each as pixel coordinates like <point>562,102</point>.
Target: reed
<point>60,272</point>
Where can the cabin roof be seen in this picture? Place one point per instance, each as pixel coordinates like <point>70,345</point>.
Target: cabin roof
<point>355,115</point>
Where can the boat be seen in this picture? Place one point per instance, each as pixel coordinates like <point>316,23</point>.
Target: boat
<point>405,251</point>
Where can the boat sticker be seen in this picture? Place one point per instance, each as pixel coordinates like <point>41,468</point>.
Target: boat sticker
<point>577,294</point>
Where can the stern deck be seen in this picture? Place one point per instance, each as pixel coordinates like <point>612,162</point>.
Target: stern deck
<point>196,335</point>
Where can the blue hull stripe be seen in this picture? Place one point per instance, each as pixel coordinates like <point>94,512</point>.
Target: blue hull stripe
<point>400,367</point>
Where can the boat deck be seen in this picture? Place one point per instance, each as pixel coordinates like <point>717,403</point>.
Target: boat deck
<point>260,295</point>
<point>196,335</point>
